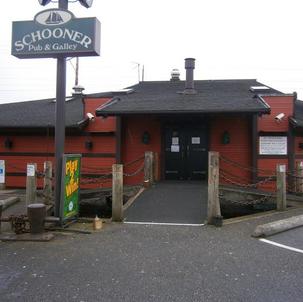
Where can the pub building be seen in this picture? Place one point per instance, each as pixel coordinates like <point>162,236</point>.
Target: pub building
<point>253,127</point>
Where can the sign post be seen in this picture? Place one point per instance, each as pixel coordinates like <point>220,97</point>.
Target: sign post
<point>71,186</point>
<point>56,33</point>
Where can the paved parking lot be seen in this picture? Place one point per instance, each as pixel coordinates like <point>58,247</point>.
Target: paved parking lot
<point>291,240</point>
<point>155,263</point>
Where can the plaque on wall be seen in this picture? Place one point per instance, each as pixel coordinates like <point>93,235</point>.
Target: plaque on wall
<point>273,145</point>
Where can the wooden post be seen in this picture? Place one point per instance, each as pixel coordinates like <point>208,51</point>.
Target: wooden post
<point>281,187</point>
<point>213,209</point>
<point>156,167</point>
<point>2,174</point>
<point>299,182</point>
<point>47,182</point>
<point>117,195</point>
<point>31,183</point>
<point>148,169</point>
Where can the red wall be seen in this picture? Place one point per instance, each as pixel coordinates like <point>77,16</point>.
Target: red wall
<point>100,124</point>
<point>132,146</point>
<point>238,150</point>
<point>278,104</point>
<point>268,125</point>
<point>37,149</point>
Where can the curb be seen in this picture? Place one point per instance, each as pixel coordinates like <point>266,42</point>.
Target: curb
<point>278,226</point>
<point>6,203</point>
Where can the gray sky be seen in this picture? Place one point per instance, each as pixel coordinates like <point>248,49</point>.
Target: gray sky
<point>240,39</point>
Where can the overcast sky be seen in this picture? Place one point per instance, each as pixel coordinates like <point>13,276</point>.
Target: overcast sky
<point>232,39</point>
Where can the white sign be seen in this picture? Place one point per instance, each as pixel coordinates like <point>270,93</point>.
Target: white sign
<point>273,145</point>
<point>175,148</point>
<point>2,171</point>
<point>195,140</point>
<point>175,141</point>
<point>30,171</point>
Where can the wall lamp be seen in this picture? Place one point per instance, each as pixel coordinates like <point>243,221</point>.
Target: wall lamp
<point>89,145</point>
<point>225,138</point>
<point>145,138</point>
<point>8,143</point>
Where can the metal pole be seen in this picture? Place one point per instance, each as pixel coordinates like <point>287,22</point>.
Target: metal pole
<point>60,121</point>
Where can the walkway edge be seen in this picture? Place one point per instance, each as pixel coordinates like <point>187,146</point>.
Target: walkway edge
<point>132,199</point>
<point>278,226</point>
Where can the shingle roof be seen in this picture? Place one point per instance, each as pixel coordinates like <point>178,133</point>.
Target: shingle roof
<point>165,97</point>
<point>40,113</point>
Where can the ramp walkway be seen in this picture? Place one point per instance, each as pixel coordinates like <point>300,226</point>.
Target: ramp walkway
<point>170,202</point>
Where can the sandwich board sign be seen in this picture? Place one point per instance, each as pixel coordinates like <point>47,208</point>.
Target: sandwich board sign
<point>2,172</point>
<point>71,186</point>
<point>55,32</point>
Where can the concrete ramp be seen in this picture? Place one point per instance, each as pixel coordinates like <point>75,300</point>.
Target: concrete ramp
<point>170,202</point>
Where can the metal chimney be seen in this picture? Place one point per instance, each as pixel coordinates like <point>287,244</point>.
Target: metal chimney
<point>78,90</point>
<point>189,84</point>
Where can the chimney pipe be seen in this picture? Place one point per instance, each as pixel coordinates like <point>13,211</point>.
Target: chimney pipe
<point>189,84</point>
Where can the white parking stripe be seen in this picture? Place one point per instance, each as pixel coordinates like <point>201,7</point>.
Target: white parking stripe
<point>163,223</point>
<point>282,246</point>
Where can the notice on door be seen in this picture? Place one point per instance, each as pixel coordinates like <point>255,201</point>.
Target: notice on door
<point>175,141</point>
<point>175,148</point>
<point>195,140</point>
<point>273,145</point>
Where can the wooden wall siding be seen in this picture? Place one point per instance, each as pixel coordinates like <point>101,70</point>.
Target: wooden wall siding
<point>239,148</point>
<point>100,124</point>
<point>278,104</point>
<point>38,149</point>
<point>267,125</point>
<point>132,146</point>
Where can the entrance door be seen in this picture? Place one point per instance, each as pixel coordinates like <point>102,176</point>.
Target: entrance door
<point>186,152</point>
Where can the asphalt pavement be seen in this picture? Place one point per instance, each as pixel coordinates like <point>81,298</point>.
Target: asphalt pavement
<point>126,262</point>
<point>176,202</point>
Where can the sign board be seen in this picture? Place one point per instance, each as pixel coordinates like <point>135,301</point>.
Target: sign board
<point>30,170</point>
<point>195,140</point>
<point>273,145</point>
<point>71,186</point>
<point>56,33</point>
<point>2,172</point>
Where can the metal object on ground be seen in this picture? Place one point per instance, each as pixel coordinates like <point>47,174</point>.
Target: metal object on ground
<point>18,223</point>
<point>36,213</point>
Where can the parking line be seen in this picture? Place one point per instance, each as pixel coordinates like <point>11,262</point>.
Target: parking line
<point>282,246</point>
<point>163,223</point>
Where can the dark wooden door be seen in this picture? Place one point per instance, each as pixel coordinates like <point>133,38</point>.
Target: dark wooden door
<point>186,152</point>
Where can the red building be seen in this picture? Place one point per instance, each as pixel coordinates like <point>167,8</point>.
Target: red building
<point>253,126</point>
